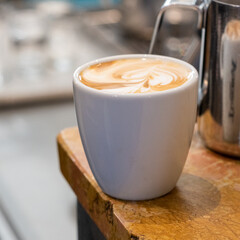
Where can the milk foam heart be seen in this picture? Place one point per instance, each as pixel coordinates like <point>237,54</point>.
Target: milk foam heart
<point>140,75</point>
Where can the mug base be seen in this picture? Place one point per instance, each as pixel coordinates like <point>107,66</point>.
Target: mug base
<point>139,198</point>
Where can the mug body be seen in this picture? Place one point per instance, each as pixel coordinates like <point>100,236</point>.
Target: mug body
<point>136,144</point>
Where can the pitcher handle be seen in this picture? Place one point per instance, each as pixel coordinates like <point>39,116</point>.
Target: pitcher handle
<point>197,5</point>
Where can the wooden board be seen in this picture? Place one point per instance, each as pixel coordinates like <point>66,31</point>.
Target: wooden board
<point>204,205</point>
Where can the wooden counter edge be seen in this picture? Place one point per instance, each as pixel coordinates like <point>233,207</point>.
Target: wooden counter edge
<point>98,205</point>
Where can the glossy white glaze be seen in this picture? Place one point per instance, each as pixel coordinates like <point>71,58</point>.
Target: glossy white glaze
<point>136,144</point>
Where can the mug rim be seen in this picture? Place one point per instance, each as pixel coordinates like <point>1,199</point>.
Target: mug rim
<point>185,85</point>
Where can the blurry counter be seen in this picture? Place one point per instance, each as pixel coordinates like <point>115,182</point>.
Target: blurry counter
<point>34,199</point>
<point>87,44</point>
<point>33,196</point>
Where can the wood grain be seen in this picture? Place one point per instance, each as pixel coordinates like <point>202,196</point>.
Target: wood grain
<point>204,205</point>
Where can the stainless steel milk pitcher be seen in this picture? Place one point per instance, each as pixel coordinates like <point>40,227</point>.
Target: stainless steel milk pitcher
<point>219,71</point>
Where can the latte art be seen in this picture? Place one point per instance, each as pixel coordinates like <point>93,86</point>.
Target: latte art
<point>140,75</point>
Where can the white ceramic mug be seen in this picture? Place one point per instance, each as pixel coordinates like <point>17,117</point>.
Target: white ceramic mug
<point>136,144</point>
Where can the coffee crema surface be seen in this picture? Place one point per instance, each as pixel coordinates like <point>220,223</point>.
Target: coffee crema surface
<point>138,75</point>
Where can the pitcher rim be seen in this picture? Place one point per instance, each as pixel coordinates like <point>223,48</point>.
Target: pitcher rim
<point>225,3</point>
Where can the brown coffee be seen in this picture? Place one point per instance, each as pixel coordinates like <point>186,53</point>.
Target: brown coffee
<point>138,75</point>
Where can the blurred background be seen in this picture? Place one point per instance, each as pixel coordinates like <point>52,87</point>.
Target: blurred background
<point>41,43</point>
